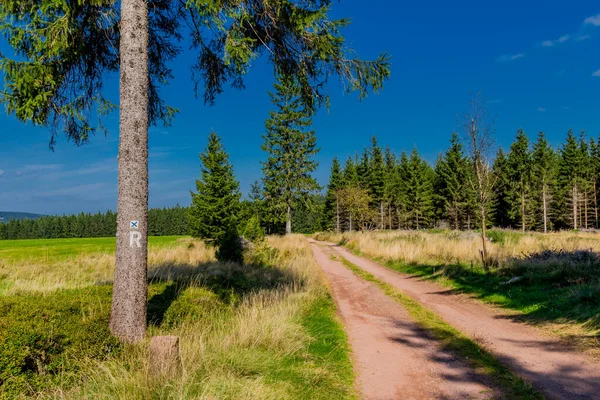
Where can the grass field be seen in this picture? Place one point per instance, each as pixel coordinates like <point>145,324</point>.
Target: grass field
<point>558,274</point>
<point>264,330</point>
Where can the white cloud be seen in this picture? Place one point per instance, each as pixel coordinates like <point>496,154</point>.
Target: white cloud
<point>510,57</point>
<point>595,20</point>
<point>1,173</point>
<point>566,107</point>
<point>581,38</point>
<point>597,73</point>
<point>560,40</point>
<point>541,109</point>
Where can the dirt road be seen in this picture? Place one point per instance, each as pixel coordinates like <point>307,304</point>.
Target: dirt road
<point>393,357</point>
<point>556,370</point>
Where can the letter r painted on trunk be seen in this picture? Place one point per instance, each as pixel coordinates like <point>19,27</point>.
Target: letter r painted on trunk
<point>135,237</point>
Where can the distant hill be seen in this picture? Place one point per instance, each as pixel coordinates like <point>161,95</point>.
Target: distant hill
<point>7,215</point>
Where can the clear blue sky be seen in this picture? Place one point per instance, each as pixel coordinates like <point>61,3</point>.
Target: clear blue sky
<point>534,61</point>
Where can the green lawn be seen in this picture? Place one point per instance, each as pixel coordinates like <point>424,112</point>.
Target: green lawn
<point>45,250</point>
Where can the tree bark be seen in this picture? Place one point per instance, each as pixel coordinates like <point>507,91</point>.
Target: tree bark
<point>483,240</point>
<point>574,206</point>
<point>337,214</point>
<point>585,212</point>
<point>545,209</point>
<point>130,291</point>
<point>288,221</point>
<point>523,212</point>
<point>381,213</point>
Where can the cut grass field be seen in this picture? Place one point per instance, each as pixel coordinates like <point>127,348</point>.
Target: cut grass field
<point>264,330</point>
<point>559,273</point>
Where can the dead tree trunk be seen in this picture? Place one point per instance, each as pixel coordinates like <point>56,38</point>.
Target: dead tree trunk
<point>288,221</point>
<point>545,207</point>
<point>130,292</point>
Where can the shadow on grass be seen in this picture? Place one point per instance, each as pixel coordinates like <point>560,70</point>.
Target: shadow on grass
<point>552,286</point>
<point>229,282</point>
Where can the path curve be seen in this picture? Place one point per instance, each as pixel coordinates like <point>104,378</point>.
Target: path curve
<point>393,357</point>
<point>556,370</point>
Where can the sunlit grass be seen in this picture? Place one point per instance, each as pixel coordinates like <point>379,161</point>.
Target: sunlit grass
<point>558,284</point>
<point>246,332</point>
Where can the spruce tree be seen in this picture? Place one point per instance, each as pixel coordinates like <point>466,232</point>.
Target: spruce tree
<point>351,178</point>
<point>544,179</point>
<point>376,179</point>
<point>363,169</point>
<point>570,177</point>
<point>500,199</point>
<point>419,194</point>
<point>401,191</point>
<point>331,211</point>
<point>391,171</point>
<point>291,146</point>
<point>595,169</point>
<point>451,183</point>
<point>520,171</point>
<point>216,204</point>
<point>587,178</point>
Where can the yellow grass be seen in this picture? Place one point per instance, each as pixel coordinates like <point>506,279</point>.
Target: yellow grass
<point>453,247</point>
<point>230,354</point>
<point>89,269</point>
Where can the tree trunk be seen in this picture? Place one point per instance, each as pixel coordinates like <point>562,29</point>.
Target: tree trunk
<point>545,206</point>
<point>595,207</point>
<point>288,221</point>
<point>483,240</point>
<point>456,226</point>
<point>390,215</point>
<point>350,222</point>
<point>585,212</point>
<point>523,212</point>
<point>574,206</point>
<point>381,213</point>
<point>337,214</point>
<point>130,290</point>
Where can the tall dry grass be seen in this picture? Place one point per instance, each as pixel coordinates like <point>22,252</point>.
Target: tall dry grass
<point>453,247</point>
<point>90,269</point>
<point>235,353</point>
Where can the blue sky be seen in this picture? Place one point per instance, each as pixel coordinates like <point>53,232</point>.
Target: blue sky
<point>536,62</point>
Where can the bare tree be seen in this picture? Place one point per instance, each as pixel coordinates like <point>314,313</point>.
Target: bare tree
<point>479,131</point>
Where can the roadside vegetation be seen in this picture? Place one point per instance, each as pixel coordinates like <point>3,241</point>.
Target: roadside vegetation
<point>550,279</point>
<point>266,329</point>
<point>477,356</point>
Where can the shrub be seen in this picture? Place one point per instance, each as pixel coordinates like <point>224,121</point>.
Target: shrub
<point>253,231</point>
<point>230,246</point>
<point>45,338</point>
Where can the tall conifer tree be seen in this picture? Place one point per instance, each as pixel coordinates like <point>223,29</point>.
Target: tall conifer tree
<point>391,171</point>
<point>216,204</point>
<point>376,179</point>
<point>331,211</point>
<point>520,170</point>
<point>452,185</point>
<point>544,177</point>
<point>291,145</point>
<point>419,191</point>
<point>570,177</point>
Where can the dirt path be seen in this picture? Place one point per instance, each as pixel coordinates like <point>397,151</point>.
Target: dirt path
<point>394,358</point>
<point>553,368</point>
